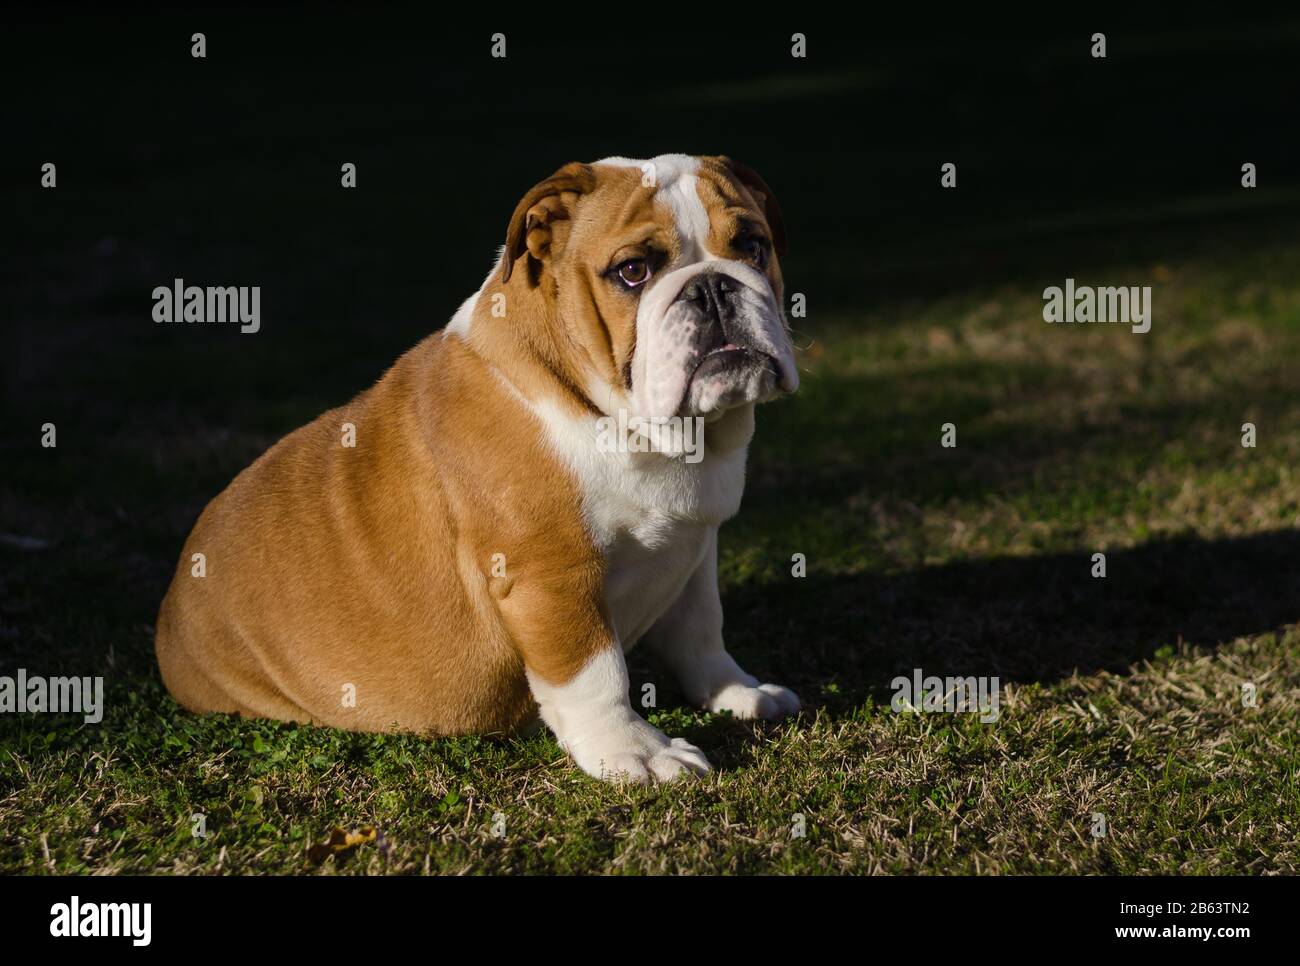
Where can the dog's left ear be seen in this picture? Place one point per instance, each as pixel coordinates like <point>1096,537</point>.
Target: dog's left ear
<point>766,199</point>
<point>532,225</point>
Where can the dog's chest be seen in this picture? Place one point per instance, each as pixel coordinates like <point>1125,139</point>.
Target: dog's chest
<point>648,565</point>
<point>651,516</point>
<point>652,519</point>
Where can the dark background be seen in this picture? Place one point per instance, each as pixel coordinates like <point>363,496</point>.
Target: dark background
<point>225,171</point>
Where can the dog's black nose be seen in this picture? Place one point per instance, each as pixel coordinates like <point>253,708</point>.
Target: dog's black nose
<point>711,293</point>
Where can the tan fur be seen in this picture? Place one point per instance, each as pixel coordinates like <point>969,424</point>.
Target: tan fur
<point>730,198</point>
<point>371,566</point>
<point>575,334</point>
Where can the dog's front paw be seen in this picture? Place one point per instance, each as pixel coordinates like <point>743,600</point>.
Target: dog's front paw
<point>637,752</point>
<point>768,701</point>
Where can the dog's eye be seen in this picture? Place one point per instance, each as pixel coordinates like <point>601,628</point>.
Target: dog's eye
<point>634,272</point>
<point>755,249</point>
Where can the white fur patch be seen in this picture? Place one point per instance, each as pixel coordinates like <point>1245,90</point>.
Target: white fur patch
<point>675,186</point>
<point>666,353</point>
<point>594,722</point>
<point>459,324</point>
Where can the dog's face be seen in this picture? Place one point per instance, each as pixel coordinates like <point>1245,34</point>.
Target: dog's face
<point>666,274</point>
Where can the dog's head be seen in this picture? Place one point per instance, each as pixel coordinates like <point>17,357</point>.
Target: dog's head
<point>665,275</point>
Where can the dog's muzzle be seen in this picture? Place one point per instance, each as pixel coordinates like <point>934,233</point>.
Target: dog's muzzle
<point>711,336</point>
<point>738,342</point>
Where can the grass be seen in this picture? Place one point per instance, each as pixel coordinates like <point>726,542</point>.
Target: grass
<point>1122,697</point>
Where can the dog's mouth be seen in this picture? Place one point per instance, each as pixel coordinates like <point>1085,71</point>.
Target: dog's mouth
<point>732,359</point>
<point>730,375</point>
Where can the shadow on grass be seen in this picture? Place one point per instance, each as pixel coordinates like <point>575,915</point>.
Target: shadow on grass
<point>839,641</point>
<point>1023,619</point>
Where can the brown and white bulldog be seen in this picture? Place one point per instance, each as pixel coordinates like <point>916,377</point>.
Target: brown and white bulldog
<point>481,535</point>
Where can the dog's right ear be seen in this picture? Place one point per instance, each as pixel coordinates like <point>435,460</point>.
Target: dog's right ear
<point>531,233</point>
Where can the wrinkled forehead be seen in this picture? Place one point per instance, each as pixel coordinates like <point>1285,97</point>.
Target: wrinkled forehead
<point>690,203</point>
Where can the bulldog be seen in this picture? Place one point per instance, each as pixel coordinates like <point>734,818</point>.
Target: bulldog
<point>477,540</point>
